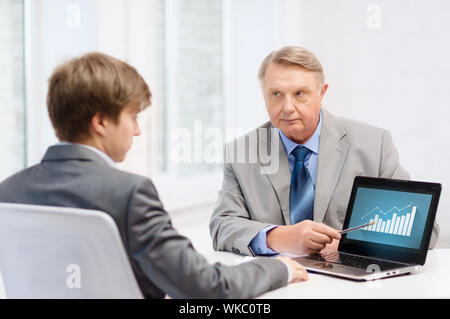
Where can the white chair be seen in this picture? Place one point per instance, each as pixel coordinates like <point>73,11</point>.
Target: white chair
<point>58,252</point>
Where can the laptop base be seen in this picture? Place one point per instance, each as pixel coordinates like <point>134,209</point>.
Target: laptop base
<point>353,273</point>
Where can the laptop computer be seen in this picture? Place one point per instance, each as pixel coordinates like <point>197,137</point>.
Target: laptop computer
<point>402,214</point>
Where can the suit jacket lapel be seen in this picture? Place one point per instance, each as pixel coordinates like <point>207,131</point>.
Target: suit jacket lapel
<point>332,153</point>
<point>281,178</point>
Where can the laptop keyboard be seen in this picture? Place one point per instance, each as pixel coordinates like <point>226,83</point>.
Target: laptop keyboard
<point>334,257</point>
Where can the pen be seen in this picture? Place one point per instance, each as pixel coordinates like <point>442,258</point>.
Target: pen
<point>345,231</point>
<point>251,251</point>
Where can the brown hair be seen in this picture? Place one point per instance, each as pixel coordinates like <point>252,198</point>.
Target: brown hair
<point>90,84</point>
<point>293,55</point>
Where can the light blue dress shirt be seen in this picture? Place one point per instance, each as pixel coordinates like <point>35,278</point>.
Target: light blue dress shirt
<point>259,244</point>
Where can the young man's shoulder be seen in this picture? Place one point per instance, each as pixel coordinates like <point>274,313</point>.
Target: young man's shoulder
<point>113,176</point>
<point>93,175</point>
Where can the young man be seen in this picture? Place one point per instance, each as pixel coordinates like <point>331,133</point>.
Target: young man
<point>93,102</point>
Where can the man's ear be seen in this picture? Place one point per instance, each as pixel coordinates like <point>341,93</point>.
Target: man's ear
<point>98,125</point>
<point>324,89</point>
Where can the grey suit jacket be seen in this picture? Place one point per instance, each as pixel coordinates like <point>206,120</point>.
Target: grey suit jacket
<point>255,193</point>
<point>163,261</point>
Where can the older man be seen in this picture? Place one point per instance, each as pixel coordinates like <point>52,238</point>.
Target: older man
<point>298,207</point>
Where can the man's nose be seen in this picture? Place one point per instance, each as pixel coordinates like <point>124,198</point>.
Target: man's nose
<point>137,131</point>
<point>288,106</point>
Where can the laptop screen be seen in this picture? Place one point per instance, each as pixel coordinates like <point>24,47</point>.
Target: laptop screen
<point>402,214</point>
<point>399,217</point>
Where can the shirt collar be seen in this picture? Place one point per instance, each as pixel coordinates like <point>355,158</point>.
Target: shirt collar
<point>96,150</point>
<point>312,144</point>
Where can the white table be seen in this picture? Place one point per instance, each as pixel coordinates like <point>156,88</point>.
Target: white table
<point>432,281</point>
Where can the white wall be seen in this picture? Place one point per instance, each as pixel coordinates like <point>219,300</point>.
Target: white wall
<point>254,28</point>
<point>387,64</point>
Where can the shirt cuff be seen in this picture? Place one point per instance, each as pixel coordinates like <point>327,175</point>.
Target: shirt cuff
<point>290,275</point>
<point>259,243</point>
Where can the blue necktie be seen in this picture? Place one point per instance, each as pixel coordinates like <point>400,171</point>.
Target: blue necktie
<point>301,195</point>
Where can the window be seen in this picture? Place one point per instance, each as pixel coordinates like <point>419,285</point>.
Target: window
<point>193,101</point>
<point>12,106</point>
<point>195,82</point>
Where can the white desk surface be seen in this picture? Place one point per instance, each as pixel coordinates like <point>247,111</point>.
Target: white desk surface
<point>432,281</point>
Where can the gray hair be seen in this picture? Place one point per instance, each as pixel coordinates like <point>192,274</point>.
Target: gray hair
<point>293,55</point>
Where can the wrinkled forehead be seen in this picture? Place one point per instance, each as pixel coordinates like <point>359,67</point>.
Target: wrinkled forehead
<point>289,77</point>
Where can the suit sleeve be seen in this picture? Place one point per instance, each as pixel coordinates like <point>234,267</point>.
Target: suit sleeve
<point>169,260</point>
<point>390,165</point>
<point>230,226</point>
<point>390,168</point>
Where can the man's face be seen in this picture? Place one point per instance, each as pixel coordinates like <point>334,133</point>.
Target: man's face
<point>293,100</point>
<point>119,137</point>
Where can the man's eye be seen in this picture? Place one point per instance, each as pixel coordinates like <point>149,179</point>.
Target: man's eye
<point>299,93</point>
<point>276,93</point>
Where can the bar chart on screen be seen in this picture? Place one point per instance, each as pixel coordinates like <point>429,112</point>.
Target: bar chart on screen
<point>400,223</point>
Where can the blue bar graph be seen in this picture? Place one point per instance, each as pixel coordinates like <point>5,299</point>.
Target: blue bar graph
<point>397,225</point>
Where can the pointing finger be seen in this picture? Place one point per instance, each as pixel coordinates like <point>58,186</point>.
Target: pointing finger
<point>327,230</point>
